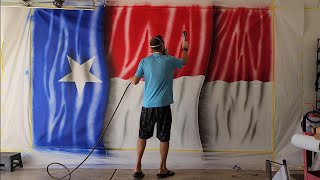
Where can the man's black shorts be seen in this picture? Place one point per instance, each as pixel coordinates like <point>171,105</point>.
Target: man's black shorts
<point>150,116</point>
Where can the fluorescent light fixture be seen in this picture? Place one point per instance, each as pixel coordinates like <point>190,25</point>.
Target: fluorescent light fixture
<point>25,3</point>
<point>58,3</point>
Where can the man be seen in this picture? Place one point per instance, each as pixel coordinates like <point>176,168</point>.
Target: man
<point>157,70</point>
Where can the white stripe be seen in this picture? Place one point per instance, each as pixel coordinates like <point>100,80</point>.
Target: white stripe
<point>123,131</point>
<point>236,116</point>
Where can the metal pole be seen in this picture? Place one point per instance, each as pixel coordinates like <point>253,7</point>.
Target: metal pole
<point>268,170</point>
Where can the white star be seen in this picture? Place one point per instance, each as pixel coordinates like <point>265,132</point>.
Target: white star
<point>80,74</point>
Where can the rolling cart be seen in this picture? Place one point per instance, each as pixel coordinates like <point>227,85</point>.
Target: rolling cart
<point>308,159</point>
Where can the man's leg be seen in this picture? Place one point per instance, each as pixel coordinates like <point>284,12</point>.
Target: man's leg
<point>141,145</point>
<point>163,134</point>
<point>164,147</point>
<point>147,122</point>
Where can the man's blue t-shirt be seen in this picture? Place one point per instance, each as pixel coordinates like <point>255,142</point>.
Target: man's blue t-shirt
<point>158,71</point>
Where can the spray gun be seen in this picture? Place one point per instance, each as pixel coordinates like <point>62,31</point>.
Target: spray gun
<point>185,35</point>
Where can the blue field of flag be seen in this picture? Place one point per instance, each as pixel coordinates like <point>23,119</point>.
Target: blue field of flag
<point>70,78</point>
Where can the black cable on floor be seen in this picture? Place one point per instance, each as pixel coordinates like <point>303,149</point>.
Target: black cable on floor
<point>101,136</point>
<point>113,174</point>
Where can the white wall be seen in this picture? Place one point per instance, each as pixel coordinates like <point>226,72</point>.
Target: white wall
<point>310,36</point>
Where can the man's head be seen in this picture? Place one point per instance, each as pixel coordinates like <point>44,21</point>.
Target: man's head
<point>157,44</point>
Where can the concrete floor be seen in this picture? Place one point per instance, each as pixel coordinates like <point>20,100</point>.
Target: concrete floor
<point>123,174</point>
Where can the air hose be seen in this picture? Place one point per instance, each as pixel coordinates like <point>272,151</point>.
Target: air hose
<point>100,138</point>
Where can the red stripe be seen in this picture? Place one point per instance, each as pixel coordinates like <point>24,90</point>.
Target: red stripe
<point>242,46</point>
<point>136,25</point>
<point>225,44</point>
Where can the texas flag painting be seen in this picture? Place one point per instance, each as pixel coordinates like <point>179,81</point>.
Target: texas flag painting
<point>61,89</point>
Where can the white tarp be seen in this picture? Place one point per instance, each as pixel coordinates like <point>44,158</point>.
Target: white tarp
<point>289,25</point>
<point>15,80</point>
<point>295,32</point>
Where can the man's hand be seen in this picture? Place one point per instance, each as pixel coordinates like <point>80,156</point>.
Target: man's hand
<point>185,45</point>
<point>317,136</point>
<point>185,56</point>
<point>134,80</point>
